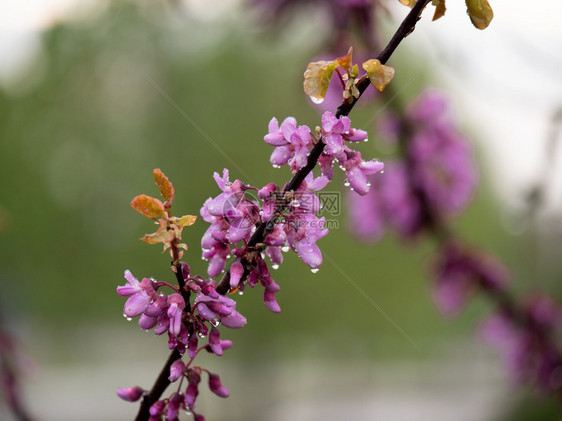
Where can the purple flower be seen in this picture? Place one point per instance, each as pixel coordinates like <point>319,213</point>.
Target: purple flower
<point>233,218</point>
<point>357,171</point>
<point>526,343</point>
<point>216,386</point>
<point>303,230</point>
<point>292,143</point>
<point>174,405</point>
<point>193,388</point>
<point>141,294</point>
<point>176,370</point>
<point>175,310</point>
<point>157,408</point>
<point>441,158</point>
<point>130,394</point>
<point>215,341</point>
<point>335,131</point>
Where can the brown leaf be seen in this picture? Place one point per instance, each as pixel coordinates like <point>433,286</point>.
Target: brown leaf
<point>164,185</point>
<point>148,206</point>
<point>439,9</point>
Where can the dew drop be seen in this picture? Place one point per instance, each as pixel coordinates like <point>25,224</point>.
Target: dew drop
<point>201,335</point>
<point>368,184</point>
<point>346,183</point>
<point>366,140</point>
<point>276,166</point>
<point>382,172</point>
<point>352,189</point>
<point>317,100</point>
<point>129,319</point>
<point>275,266</point>
<point>285,249</point>
<point>240,292</point>
<point>315,270</point>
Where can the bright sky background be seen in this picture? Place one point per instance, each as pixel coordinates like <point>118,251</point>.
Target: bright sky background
<point>506,78</point>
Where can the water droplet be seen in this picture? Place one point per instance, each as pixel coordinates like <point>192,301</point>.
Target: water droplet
<point>129,319</point>
<point>366,140</point>
<point>276,166</point>
<point>285,249</point>
<point>315,270</point>
<point>201,335</point>
<point>275,266</point>
<point>346,183</point>
<point>317,100</point>
<point>352,189</point>
<point>382,172</point>
<point>240,292</point>
<point>368,184</point>
<point>216,322</point>
<point>228,256</point>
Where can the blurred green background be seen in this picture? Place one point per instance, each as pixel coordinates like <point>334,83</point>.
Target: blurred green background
<point>138,87</point>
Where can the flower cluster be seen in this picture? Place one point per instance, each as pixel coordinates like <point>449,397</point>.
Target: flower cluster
<point>526,345</point>
<point>459,272</point>
<point>233,218</point>
<point>292,144</point>
<point>436,174</point>
<point>185,325</point>
<point>297,227</point>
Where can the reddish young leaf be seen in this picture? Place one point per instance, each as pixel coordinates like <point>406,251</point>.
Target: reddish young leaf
<point>164,185</point>
<point>148,206</point>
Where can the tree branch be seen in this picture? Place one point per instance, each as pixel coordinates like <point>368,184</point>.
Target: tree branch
<point>405,28</point>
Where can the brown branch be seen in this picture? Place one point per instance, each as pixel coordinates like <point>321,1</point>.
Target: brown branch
<point>405,28</point>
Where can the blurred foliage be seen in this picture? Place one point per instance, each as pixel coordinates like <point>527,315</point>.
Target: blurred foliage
<point>145,87</point>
